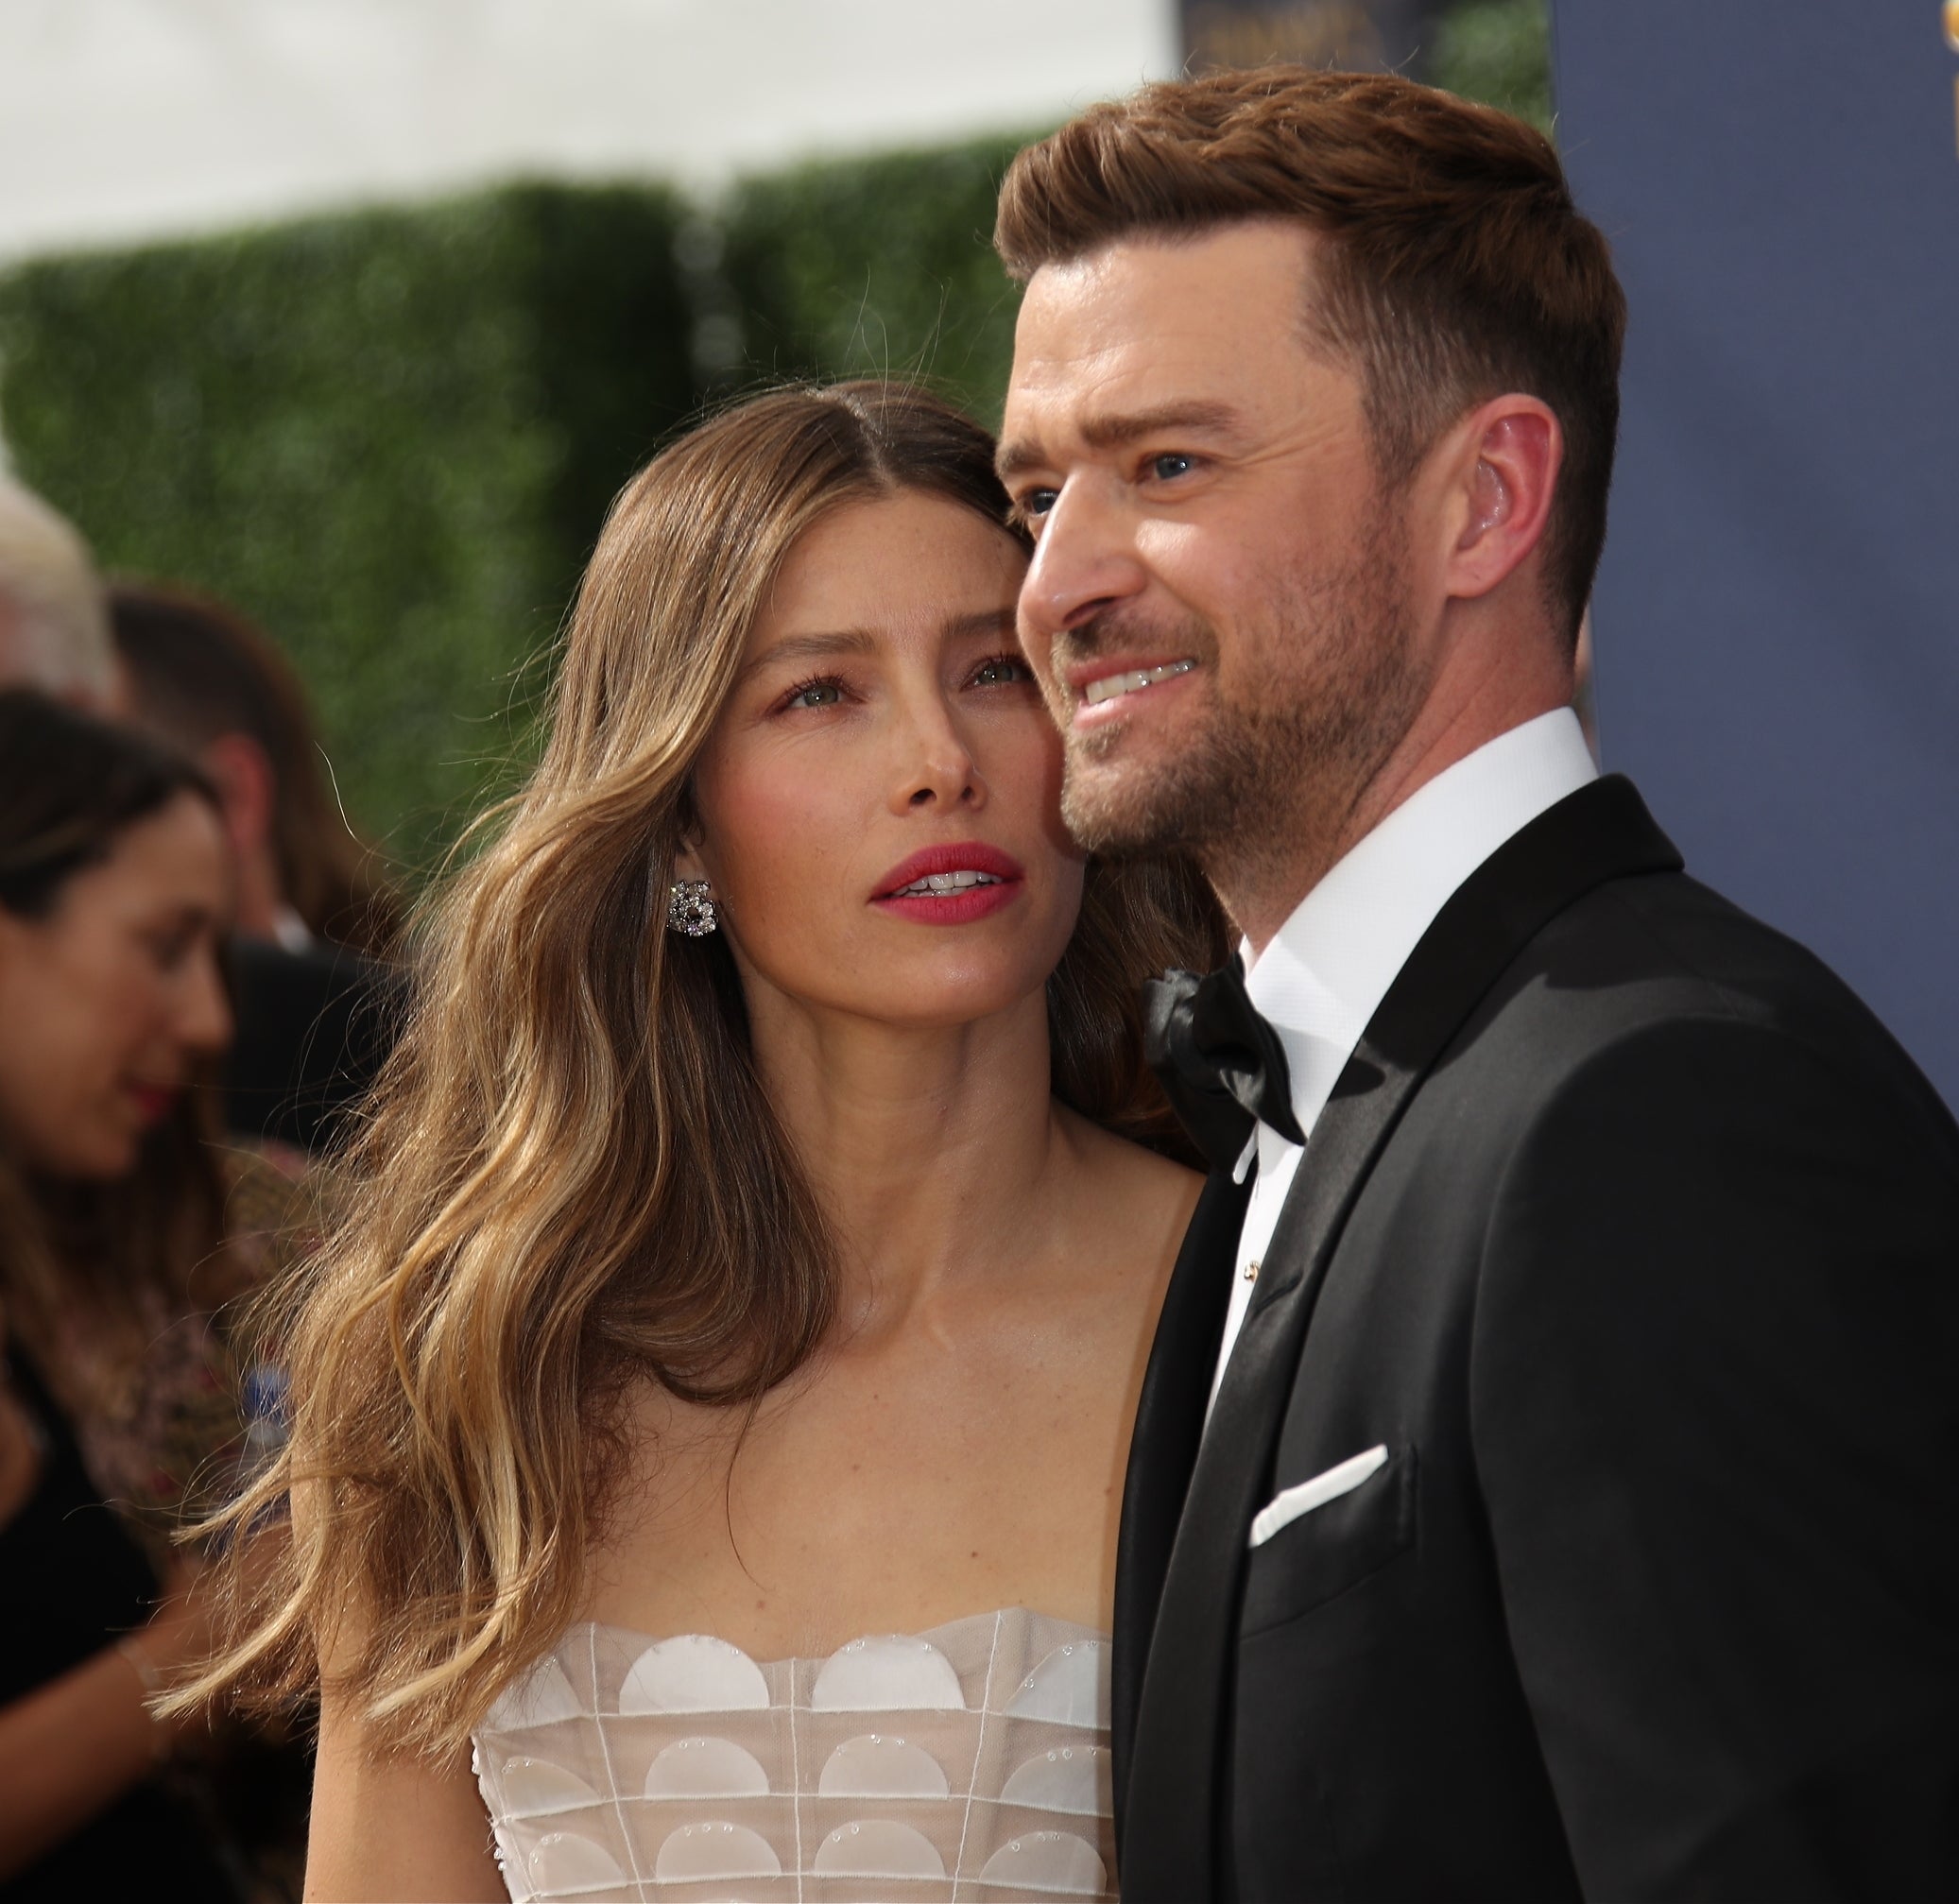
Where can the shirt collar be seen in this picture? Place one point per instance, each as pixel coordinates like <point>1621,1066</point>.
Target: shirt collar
<point>290,930</point>
<point>1323,974</point>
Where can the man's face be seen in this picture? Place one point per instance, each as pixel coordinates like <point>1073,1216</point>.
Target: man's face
<point>1219,605</point>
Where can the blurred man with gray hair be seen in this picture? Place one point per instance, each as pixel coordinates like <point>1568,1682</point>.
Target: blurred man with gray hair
<point>54,611</point>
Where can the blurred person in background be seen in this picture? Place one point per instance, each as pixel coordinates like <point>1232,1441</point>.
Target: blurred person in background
<point>53,615</point>
<point>315,912</point>
<point>214,685</point>
<point>124,1232</point>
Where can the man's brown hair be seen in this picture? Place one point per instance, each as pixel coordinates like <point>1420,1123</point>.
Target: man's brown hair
<point>1456,265</point>
<point>197,670</point>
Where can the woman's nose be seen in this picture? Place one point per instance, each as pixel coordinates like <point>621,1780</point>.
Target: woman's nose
<point>938,765</point>
<point>203,1015</point>
<point>1084,562</point>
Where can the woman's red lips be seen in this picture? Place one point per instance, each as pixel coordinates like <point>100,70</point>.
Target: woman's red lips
<point>154,1101</point>
<point>991,879</point>
<point>960,857</point>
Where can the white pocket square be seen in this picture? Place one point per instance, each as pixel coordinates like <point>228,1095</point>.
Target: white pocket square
<point>1286,1507</point>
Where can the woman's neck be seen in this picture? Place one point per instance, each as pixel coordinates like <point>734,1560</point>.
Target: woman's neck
<point>929,1148</point>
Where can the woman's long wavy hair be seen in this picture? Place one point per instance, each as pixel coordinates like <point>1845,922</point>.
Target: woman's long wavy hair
<point>570,1177</point>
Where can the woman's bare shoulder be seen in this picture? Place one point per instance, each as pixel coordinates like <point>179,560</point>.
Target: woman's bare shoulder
<point>1131,1193</point>
<point>395,1827</point>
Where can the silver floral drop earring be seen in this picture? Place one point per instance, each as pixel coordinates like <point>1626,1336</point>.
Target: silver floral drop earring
<point>689,909</point>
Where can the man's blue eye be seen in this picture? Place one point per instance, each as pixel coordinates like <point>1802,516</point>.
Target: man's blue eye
<point>1167,467</point>
<point>1038,502</point>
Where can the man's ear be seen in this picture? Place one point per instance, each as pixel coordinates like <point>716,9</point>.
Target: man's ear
<point>1505,478</point>
<point>242,772</point>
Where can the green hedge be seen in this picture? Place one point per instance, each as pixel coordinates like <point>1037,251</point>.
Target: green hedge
<point>877,267</point>
<point>1498,51</point>
<point>389,436</point>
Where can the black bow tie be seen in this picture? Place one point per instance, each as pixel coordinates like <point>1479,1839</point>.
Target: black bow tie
<point>1222,1065</point>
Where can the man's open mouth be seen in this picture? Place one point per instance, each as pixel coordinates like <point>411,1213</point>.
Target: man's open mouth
<point>1110,686</point>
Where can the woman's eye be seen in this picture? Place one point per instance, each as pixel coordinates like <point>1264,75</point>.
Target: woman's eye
<point>816,695</point>
<point>1171,465</point>
<point>1002,671</point>
<point>170,948</point>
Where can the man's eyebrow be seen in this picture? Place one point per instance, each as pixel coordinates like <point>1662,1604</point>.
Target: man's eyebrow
<point>1014,457</point>
<point>812,648</point>
<point>1112,430</point>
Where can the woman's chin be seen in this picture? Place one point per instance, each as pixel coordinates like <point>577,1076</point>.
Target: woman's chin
<point>94,1156</point>
<point>947,1001</point>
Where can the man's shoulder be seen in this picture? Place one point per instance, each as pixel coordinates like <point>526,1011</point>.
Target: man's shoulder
<point>1658,971</point>
<point>1666,929</point>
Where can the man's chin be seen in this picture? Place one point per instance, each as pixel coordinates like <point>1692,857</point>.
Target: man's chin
<point>1120,807</point>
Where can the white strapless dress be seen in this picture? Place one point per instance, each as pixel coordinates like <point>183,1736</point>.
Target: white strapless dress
<point>971,1761</point>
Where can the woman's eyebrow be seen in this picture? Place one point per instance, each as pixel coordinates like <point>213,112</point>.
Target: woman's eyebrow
<point>827,646</point>
<point>980,622</point>
<point>813,647</point>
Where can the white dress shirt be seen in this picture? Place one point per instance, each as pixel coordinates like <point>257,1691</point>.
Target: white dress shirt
<point>1323,976</point>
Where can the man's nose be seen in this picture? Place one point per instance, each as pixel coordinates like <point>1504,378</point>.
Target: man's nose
<point>1085,562</point>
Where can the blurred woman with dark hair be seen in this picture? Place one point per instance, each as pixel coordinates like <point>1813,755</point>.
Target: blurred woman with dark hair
<point>122,1231</point>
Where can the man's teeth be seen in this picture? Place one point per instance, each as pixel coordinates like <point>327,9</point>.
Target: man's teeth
<point>1110,686</point>
<point>945,882</point>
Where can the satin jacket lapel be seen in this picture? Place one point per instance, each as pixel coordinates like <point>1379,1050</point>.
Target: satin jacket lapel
<point>1176,1782</point>
<point>1164,1449</point>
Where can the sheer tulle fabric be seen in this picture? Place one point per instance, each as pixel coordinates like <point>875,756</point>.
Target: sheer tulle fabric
<point>971,1761</point>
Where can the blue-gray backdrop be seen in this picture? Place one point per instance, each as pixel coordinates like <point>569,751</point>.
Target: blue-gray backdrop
<point>1777,621</point>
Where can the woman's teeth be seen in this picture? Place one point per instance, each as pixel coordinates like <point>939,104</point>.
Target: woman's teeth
<point>945,882</point>
<point>1110,686</point>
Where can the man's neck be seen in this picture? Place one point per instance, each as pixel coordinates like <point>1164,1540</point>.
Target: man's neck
<point>260,901</point>
<point>1260,880</point>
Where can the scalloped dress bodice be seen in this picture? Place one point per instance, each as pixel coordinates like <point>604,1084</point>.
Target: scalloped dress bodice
<point>969,1762</point>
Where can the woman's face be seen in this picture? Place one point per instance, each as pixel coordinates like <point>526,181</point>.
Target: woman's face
<point>885,733</point>
<point>107,1001</point>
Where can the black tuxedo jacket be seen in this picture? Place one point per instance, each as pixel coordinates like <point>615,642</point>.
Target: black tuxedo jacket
<point>1634,1239</point>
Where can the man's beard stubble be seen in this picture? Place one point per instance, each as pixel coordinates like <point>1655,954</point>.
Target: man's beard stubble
<point>1268,782</point>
